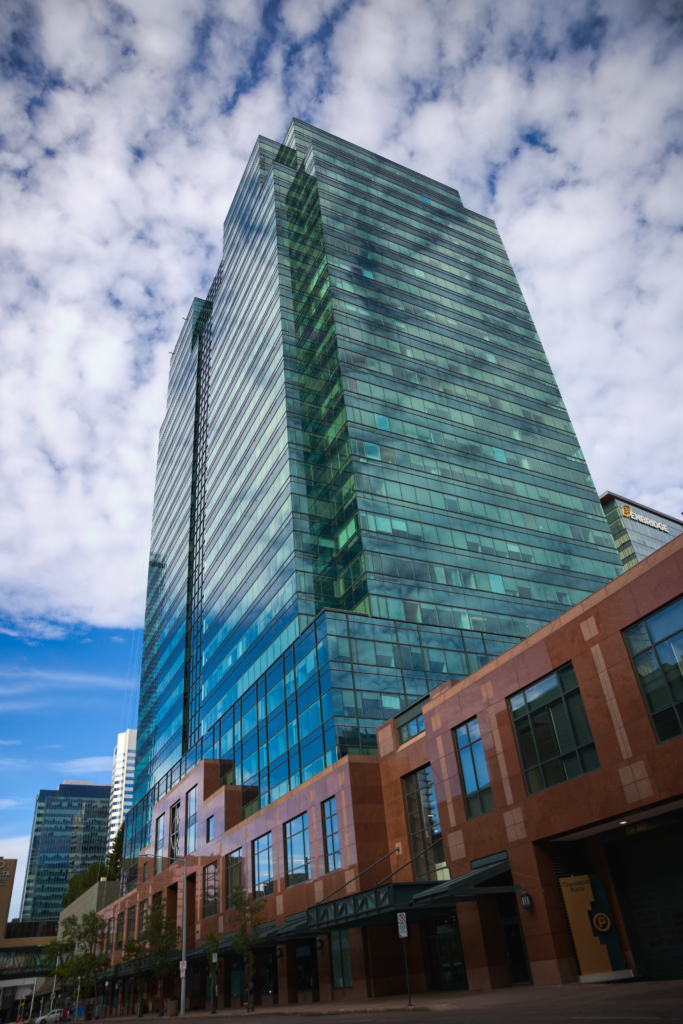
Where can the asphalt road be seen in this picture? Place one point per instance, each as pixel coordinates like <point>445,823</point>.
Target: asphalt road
<point>638,1001</point>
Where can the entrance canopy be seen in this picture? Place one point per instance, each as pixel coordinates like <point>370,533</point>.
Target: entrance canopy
<point>465,887</point>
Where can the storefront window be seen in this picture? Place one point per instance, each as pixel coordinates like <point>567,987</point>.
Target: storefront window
<point>341,959</point>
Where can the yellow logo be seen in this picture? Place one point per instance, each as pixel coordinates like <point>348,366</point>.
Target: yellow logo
<point>602,922</point>
<point>626,511</point>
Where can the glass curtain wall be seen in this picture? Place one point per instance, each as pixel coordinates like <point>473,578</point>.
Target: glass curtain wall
<point>362,426</point>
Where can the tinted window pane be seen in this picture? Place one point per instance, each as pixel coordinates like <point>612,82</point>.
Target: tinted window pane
<point>553,735</point>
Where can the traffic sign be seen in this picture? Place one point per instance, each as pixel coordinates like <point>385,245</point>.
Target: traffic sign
<point>183,966</point>
<point>214,957</point>
<point>402,926</point>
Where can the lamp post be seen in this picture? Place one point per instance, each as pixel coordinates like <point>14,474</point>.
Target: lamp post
<point>54,982</point>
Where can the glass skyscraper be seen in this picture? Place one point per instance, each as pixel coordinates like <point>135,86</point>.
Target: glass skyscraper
<point>638,531</point>
<point>367,481</point>
<point>69,834</point>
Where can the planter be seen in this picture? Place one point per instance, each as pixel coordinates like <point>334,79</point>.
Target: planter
<point>173,1007</point>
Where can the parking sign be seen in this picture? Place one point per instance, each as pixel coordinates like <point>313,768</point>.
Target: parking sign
<point>402,926</point>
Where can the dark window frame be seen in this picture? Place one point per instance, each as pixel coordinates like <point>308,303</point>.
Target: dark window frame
<point>296,873</point>
<point>210,889</point>
<point>159,842</point>
<point>469,750</point>
<point>648,642</point>
<point>191,820</point>
<point>234,874</point>
<point>262,845</point>
<point>544,725</point>
<point>328,813</point>
<point>174,834</point>
<point>426,839</point>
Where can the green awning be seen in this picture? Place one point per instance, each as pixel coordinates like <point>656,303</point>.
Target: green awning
<point>465,887</point>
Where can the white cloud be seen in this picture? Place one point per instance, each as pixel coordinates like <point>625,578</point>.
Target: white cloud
<point>10,743</point>
<point>125,137</point>
<point>86,765</point>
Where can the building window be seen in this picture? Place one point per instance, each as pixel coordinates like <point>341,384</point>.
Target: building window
<point>656,646</point>
<point>110,935</point>
<point>296,850</point>
<point>159,844</point>
<point>473,770</point>
<point>191,818</point>
<point>142,920</point>
<point>211,889</point>
<point>331,835</point>
<point>174,845</point>
<point>130,931</point>
<point>341,959</point>
<point>263,865</point>
<point>425,828</point>
<point>119,930</point>
<point>209,829</point>
<point>554,737</point>
<point>233,876</point>
<point>412,728</point>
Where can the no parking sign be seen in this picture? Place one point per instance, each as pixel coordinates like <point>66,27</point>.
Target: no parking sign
<point>402,926</point>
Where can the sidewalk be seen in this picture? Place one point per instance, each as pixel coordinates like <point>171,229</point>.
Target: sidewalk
<point>381,1004</point>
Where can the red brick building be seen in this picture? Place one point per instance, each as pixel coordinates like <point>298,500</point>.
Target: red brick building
<point>528,820</point>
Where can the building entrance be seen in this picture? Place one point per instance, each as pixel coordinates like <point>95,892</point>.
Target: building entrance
<point>647,868</point>
<point>447,968</point>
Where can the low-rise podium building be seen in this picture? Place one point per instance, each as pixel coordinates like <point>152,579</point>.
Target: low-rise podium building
<point>527,820</point>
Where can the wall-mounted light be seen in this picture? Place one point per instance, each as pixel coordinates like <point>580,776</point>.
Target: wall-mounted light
<point>319,944</point>
<point>245,959</point>
<point>278,952</point>
<point>526,899</point>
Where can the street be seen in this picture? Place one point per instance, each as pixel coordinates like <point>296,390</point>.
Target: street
<point>636,1001</point>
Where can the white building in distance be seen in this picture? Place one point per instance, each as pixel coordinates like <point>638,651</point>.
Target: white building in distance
<point>122,777</point>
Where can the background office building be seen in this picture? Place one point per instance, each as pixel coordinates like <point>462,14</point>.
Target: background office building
<point>637,529</point>
<point>122,779</point>
<point>69,834</point>
<point>367,480</point>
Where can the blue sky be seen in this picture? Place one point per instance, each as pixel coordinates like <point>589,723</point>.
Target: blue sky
<point>124,131</point>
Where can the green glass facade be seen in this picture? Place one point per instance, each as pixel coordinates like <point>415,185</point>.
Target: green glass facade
<point>69,834</point>
<point>367,480</point>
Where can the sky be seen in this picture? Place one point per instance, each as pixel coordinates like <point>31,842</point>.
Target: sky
<point>124,129</point>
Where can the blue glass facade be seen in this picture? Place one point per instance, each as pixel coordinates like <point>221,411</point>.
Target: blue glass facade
<point>69,834</point>
<point>367,480</point>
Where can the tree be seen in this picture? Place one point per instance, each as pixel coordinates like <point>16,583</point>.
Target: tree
<point>160,937</point>
<point>245,916</point>
<point>212,943</point>
<point>81,883</point>
<point>135,953</point>
<point>83,939</point>
<point>114,858</point>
